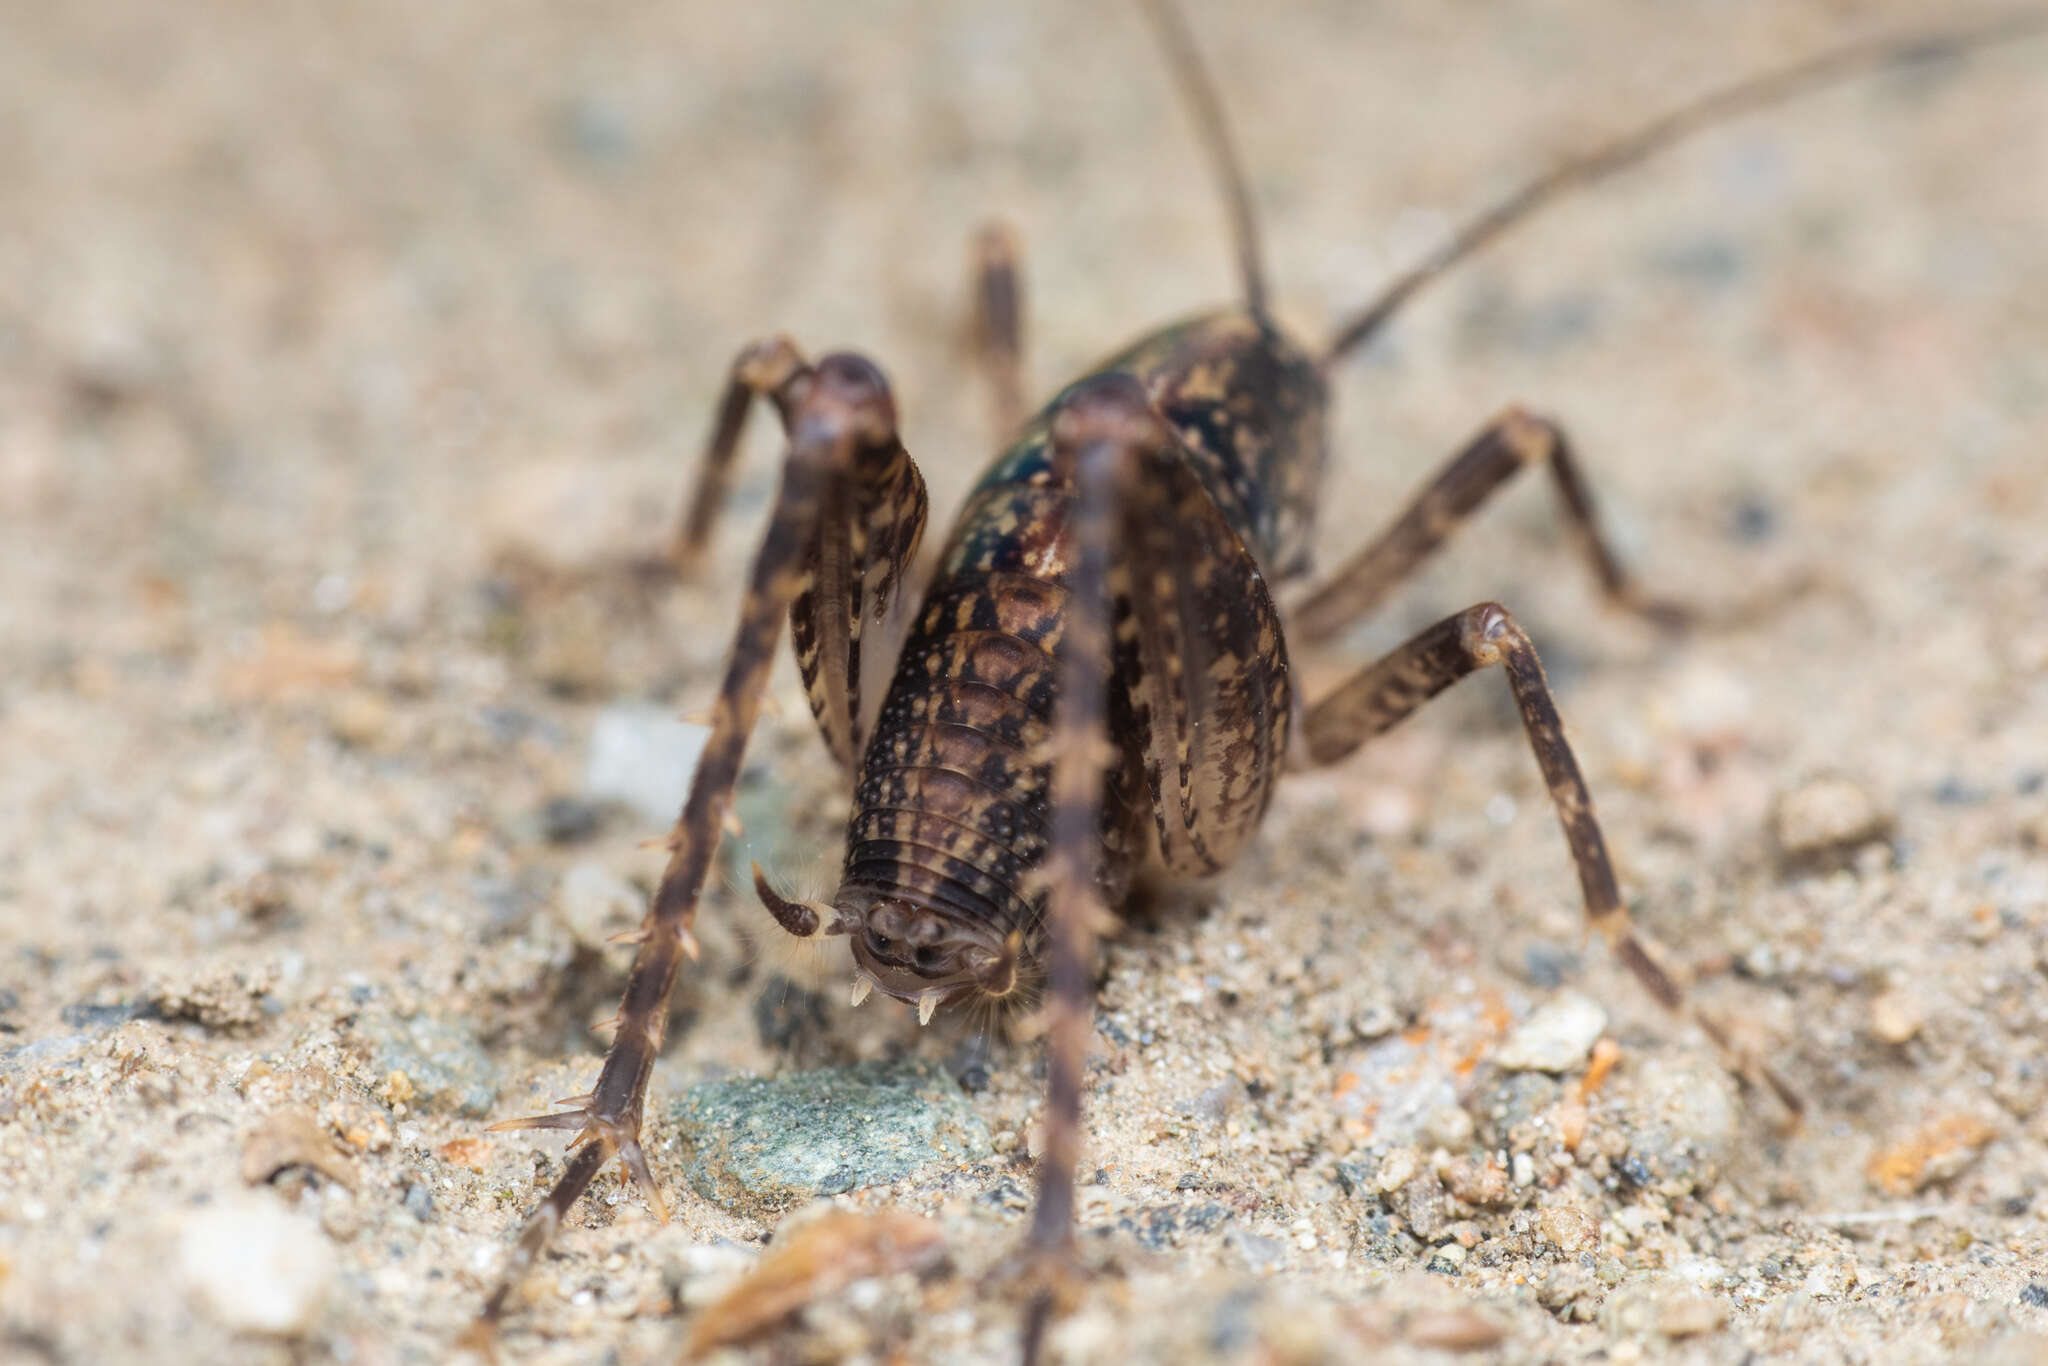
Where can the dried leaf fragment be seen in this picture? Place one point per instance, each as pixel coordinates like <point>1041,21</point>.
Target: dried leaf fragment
<point>471,1152</point>
<point>1455,1330</point>
<point>1938,1150</point>
<point>822,1255</point>
<point>293,1138</point>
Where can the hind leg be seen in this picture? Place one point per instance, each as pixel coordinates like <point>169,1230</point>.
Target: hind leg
<point>1387,692</point>
<point>1509,444</point>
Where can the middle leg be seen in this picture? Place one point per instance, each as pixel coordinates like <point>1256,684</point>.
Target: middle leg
<point>999,325</point>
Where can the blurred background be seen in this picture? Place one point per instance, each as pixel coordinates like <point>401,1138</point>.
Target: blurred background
<point>352,361</point>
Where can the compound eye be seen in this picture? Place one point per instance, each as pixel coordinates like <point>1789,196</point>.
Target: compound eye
<point>925,958</point>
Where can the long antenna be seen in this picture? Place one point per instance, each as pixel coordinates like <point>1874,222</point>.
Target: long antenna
<point>1757,92</point>
<point>1200,93</point>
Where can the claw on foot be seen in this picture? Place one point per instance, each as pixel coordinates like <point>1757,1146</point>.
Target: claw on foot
<point>633,1159</point>
<point>614,1138</point>
<point>566,1119</point>
<point>1050,1281</point>
<point>1743,1060</point>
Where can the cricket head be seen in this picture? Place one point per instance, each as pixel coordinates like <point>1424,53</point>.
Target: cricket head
<point>914,951</point>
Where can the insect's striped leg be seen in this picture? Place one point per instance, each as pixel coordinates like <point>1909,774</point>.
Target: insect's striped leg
<point>843,414</point>
<point>540,1226</point>
<point>1387,692</point>
<point>771,368</point>
<point>1102,428</point>
<point>1510,443</point>
<point>999,325</point>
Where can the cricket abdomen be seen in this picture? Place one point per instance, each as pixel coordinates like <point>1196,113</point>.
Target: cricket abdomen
<point>950,807</point>
<point>950,819</point>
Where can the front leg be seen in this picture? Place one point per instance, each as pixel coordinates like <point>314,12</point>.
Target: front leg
<point>858,557</point>
<point>841,419</point>
<point>1100,440</point>
<point>1189,689</point>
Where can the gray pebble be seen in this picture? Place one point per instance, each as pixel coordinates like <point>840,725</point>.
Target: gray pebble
<point>1260,1253</point>
<point>569,820</point>
<point>763,1144</point>
<point>1682,1122</point>
<point>1825,819</point>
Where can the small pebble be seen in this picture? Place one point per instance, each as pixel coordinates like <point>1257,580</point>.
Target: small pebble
<point>1568,1228</point>
<point>764,1144</point>
<point>1556,1038</point>
<point>444,1067</point>
<point>1940,1149</point>
<point>341,1216</point>
<point>256,1266</point>
<point>1896,1016</point>
<point>1826,816</point>
<point>569,820</point>
<point>1397,1169</point>
<point>1689,1314</point>
<point>1260,1253</point>
<point>1448,1126</point>
<point>359,719</point>
<point>1478,1183</point>
<point>1683,1121</point>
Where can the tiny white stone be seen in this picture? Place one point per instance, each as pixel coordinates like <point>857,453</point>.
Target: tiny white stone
<point>257,1266</point>
<point>1397,1169</point>
<point>1556,1038</point>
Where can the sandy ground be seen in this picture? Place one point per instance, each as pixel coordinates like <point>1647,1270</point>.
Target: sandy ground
<point>346,357</point>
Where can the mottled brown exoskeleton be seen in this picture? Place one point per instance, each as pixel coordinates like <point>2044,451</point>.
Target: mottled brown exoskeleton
<point>1098,673</point>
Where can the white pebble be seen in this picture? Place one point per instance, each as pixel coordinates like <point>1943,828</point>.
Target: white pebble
<point>643,757</point>
<point>256,1265</point>
<point>1556,1038</point>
